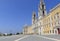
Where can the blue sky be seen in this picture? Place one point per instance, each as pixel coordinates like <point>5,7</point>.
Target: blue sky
<point>16,13</point>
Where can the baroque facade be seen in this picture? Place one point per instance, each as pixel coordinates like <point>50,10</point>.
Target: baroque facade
<point>45,24</point>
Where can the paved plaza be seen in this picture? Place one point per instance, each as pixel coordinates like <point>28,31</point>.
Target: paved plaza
<point>31,38</point>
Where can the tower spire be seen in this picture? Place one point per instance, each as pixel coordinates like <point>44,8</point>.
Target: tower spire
<point>41,1</point>
<point>42,9</point>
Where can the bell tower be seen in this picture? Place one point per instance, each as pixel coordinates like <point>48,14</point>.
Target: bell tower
<point>33,17</point>
<point>42,10</point>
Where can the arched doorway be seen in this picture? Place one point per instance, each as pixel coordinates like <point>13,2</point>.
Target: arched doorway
<point>55,31</point>
<point>58,30</point>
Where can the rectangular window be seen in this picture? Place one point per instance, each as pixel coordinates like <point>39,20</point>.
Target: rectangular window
<point>58,15</point>
<point>53,31</point>
<point>50,31</point>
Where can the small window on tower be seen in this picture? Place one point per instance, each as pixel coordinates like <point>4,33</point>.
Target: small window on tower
<point>34,16</point>
<point>43,13</point>
<point>43,7</point>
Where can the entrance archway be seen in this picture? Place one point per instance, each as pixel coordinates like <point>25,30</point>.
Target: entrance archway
<point>58,30</point>
<point>55,31</point>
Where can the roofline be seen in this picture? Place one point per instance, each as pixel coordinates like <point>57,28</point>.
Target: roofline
<point>55,7</point>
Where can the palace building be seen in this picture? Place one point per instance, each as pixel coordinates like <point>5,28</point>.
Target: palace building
<point>45,24</point>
